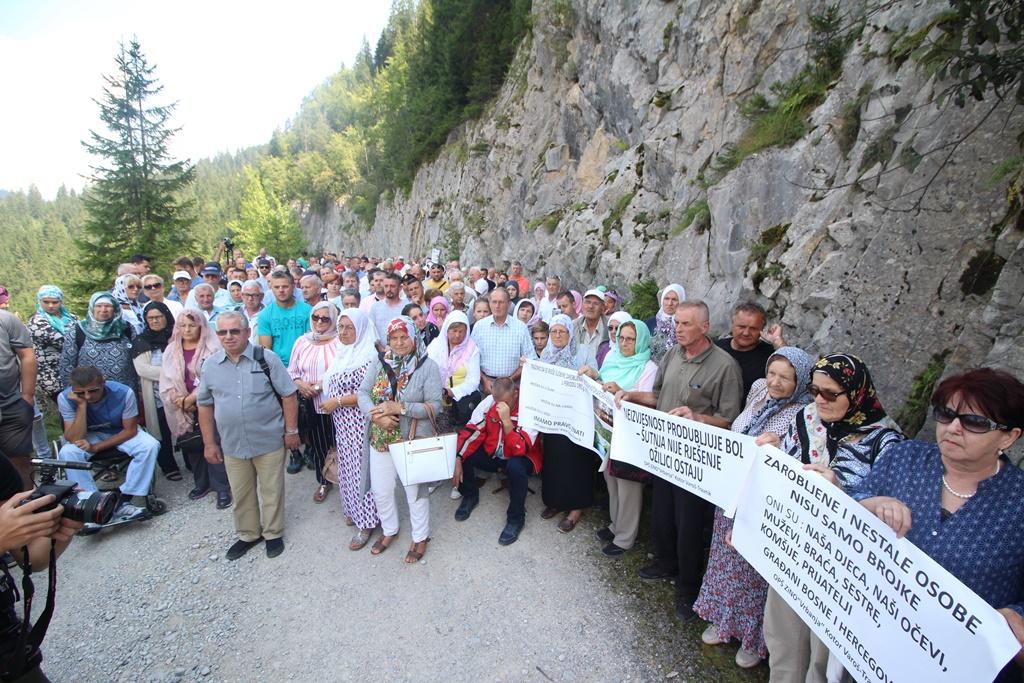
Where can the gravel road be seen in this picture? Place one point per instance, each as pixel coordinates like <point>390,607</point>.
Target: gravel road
<point>157,601</point>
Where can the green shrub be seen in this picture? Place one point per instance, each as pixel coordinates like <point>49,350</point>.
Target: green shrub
<point>643,302</point>
<point>697,214</point>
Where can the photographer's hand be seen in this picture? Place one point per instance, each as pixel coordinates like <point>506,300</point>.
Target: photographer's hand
<point>66,530</point>
<point>20,524</point>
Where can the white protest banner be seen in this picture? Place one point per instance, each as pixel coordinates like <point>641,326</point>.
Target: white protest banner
<point>555,400</point>
<point>604,420</point>
<point>435,255</point>
<point>706,461</point>
<point>886,609</point>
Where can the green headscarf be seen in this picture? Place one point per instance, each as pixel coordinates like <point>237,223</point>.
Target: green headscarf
<point>60,322</point>
<point>626,370</point>
<point>103,331</point>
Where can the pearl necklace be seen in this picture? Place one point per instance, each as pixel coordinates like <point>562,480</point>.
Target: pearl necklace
<point>964,496</point>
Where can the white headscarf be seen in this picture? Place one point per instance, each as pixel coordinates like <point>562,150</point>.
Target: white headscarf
<point>359,353</point>
<point>619,317</point>
<point>440,353</point>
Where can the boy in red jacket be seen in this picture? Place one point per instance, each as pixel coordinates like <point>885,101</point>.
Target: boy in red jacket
<point>493,441</point>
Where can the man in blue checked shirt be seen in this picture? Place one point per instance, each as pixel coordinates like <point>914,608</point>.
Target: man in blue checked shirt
<point>503,341</point>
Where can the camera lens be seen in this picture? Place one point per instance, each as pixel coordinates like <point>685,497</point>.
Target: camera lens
<point>90,506</point>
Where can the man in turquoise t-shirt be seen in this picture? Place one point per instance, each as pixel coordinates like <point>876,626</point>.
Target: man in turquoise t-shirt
<point>284,320</point>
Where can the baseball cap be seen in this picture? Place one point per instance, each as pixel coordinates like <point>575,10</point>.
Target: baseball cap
<point>594,292</point>
<point>181,275</point>
<point>211,268</point>
<point>263,262</point>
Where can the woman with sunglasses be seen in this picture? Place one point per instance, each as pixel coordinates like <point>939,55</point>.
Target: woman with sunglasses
<point>839,436</point>
<point>126,291</point>
<point>310,358</point>
<point>960,500</point>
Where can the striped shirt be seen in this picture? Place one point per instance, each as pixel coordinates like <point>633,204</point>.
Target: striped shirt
<point>501,346</point>
<point>309,362</point>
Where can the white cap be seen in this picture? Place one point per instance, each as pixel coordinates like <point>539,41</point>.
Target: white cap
<point>594,292</point>
<point>181,275</point>
<point>480,286</point>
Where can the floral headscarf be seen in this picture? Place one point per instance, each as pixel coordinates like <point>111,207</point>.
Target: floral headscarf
<point>865,409</point>
<point>665,325</point>
<point>402,368</point>
<point>103,331</point>
<point>120,292</point>
<point>58,322</point>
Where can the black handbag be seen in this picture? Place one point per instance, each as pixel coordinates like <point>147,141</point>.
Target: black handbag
<point>462,410</point>
<point>192,440</point>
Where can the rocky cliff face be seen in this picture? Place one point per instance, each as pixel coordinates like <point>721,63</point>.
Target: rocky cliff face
<point>611,156</point>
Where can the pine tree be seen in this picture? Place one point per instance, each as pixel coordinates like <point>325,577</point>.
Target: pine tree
<point>134,202</point>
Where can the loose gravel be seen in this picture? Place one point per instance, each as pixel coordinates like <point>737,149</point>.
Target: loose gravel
<point>156,601</point>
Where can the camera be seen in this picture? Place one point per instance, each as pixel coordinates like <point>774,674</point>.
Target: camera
<point>228,244</point>
<point>96,507</point>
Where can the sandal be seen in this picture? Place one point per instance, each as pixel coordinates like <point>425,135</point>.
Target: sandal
<point>173,476</point>
<point>382,544</point>
<point>566,525</point>
<point>321,493</point>
<point>361,538</point>
<point>349,522</point>
<point>414,556</point>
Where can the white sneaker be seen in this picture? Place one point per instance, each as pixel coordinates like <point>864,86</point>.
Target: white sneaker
<point>711,636</point>
<point>126,512</point>
<point>745,659</point>
<point>455,493</point>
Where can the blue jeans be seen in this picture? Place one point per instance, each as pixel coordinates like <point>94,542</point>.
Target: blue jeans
<point>142,448</point>
<point>518,471</point>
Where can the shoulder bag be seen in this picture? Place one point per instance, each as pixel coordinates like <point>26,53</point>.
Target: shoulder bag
<point>419,461</point>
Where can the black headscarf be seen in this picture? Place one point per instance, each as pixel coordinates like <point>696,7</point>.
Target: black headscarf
<point>153,340</point>
<point>865,409</point>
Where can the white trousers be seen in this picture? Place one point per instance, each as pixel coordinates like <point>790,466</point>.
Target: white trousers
<point>383,478</point>
<point>142,448</point>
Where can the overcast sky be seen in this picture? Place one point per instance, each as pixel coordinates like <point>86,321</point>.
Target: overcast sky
<point>237,69</point>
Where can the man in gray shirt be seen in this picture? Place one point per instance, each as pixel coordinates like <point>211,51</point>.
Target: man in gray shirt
<point>17,393</point>
<point>591,328</point>
<point>245,408</point>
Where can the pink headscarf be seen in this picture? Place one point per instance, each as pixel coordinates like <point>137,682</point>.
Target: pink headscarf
<point>430,313</point>
<point>172,368</point>
<point>577,301</point>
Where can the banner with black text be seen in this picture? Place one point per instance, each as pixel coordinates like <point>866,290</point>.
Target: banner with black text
<point>880,604</point>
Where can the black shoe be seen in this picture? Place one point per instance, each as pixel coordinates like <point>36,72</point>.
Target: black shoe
<point>605,535</point>
<point>612,550</point>
<point>295,463</point>
<point>196,494</point>
<point>241,547</point>
<point>466,508</point>
<point>275,546</point>
<point>655,571</point>
<point>510,534</point>
<point>684,610</point>
<point>223,501</point>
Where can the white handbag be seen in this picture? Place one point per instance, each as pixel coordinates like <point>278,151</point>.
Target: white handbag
<point>424,460</point>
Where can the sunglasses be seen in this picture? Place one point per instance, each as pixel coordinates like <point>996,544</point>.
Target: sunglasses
<point>155,285</point>
<point>830,396</point>
<point>320,318</point>
<point>235,331</point>
<point>978,424</point>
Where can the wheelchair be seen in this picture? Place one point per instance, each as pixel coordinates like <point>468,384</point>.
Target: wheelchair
<point>108,471</point>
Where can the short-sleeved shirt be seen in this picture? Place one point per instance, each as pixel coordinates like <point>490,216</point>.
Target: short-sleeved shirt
<point>710,383</point>
<point>13,336</point>
<point>284,326</point>
<point>107,416</point>
<point>752,362</point>
<point>501,346</point>
<point>381,313</point>
<point>248,415</point>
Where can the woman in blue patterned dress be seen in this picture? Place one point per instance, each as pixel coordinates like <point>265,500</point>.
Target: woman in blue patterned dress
<point>960,500</point>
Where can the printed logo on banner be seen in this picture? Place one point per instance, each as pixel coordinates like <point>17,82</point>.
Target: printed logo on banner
<point>880,604</point>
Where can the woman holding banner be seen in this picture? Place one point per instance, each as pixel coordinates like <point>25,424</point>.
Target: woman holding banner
<point>960,500</point>
<point>627,367</point>
<point>839,436</point>
<point>568,474</point>
<point>733,594</point>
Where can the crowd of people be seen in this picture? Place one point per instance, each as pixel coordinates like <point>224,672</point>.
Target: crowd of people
<point>269,367</point>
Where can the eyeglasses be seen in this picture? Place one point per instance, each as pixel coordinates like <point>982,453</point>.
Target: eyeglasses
<point>320,318</point>
<point>155,285</point>
<point>86,392</point>
<point>978,424</point>
<point>627,339</point>
<point>251,294</point>
<point>235,331</point>
<point>830,396</point>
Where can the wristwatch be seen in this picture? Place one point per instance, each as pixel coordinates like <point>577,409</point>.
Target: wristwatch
<point>403,408</point>
<point>291,432</point>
